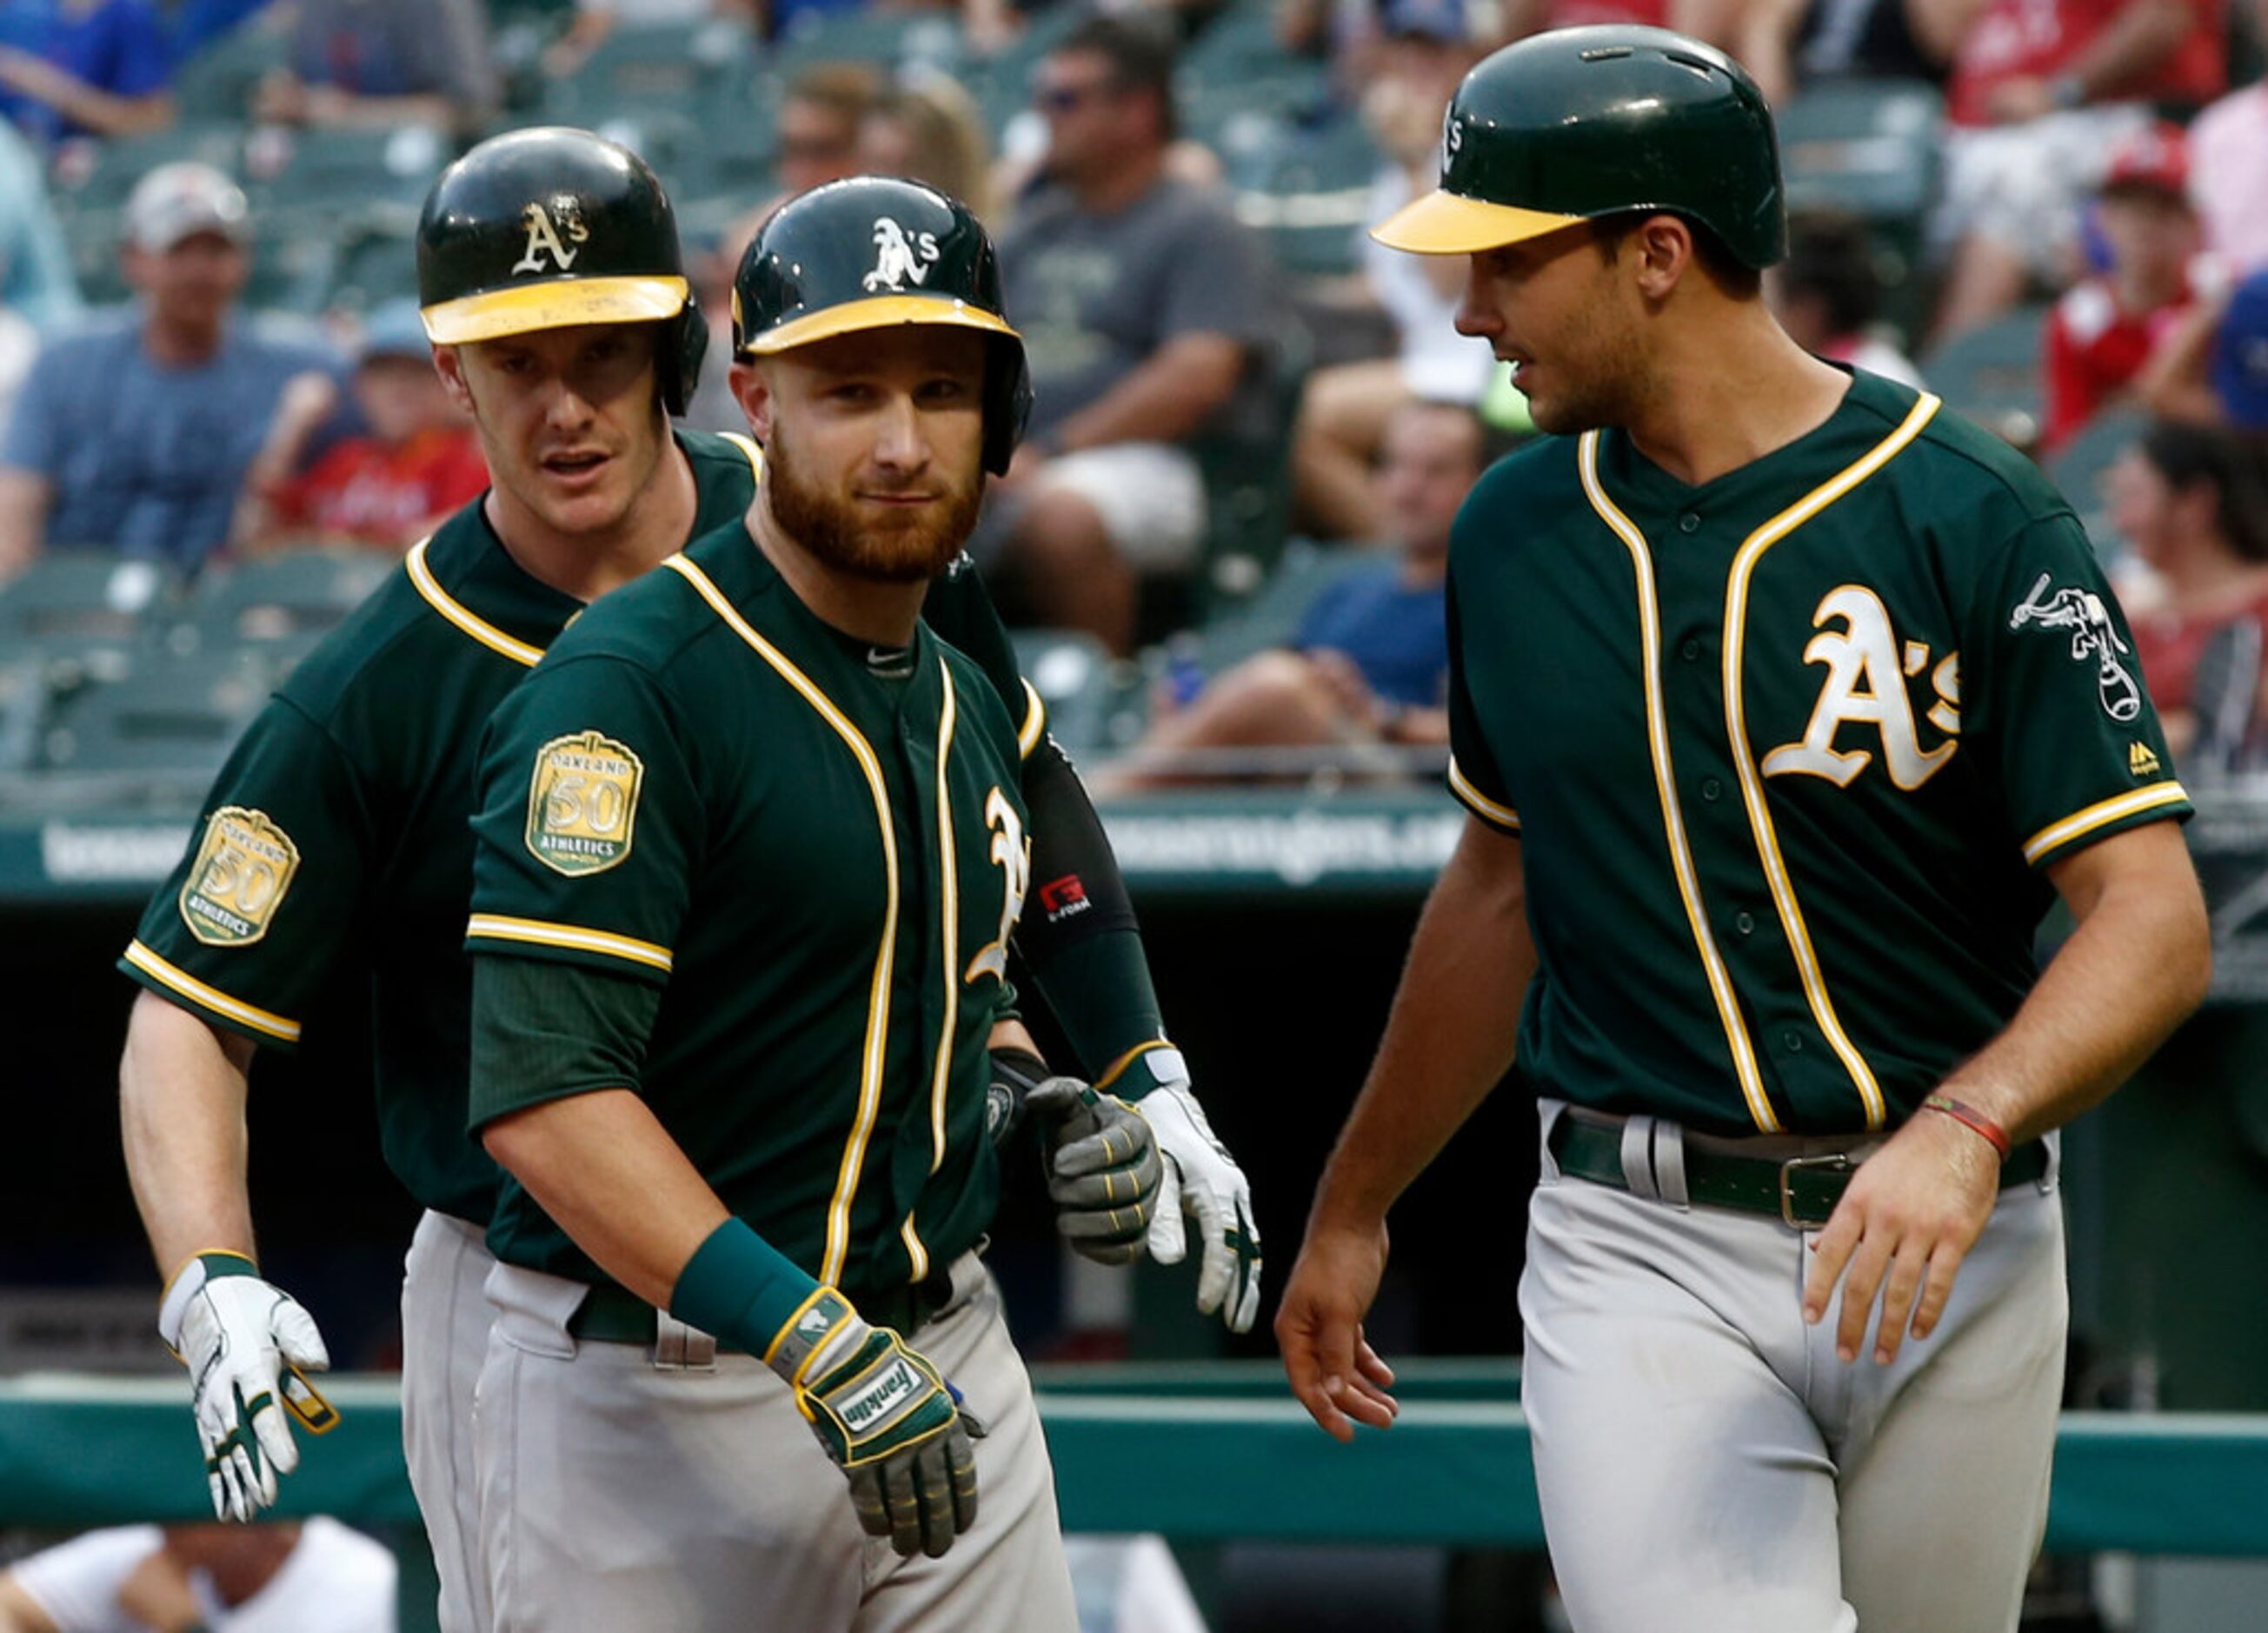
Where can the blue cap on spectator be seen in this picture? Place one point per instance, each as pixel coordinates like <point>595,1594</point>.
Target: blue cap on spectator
<point>1444,20</point>
<point>393,329</point>
<point>2240,355</point>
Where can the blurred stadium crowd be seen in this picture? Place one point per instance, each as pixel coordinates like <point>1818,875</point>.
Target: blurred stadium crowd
<point>1226,534</point>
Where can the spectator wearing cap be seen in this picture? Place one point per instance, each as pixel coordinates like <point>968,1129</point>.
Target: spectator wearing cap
<point>2212,369</point>
<point>2042,92</point>
<point>2229,168</point>
<point>419,461</point>
<point>2104,328</point>
<point>1425,47</point>
<point>1147,318</point>
<point>136,434</point>
<point>1828,293</point>
<point>71,68</point>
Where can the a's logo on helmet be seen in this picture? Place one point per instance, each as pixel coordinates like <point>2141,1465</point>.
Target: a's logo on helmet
<point>904,257</point>
<point>1453,135</point>
<point>546,238</point>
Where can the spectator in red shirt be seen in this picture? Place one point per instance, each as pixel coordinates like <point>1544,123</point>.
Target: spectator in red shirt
<point>419,461</point>
<point>2190,500</point>
<point>2105,327</point>
<point>2042,91</point>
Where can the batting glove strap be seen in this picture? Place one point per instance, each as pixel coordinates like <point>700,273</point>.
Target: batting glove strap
<point>1103,1168</point>
<point>188,1281</point>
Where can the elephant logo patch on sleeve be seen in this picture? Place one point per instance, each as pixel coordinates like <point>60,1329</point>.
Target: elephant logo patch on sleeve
<point>244,866</point>
<point>582,803</point>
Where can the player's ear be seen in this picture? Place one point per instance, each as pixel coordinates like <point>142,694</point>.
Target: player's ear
<point>752,392</point>
<point>1661,253</point>
<point>450,366</point>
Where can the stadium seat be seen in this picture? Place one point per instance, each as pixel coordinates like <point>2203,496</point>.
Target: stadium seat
<point>1248,486</point>
<point>170,717</point>
<point>661,65</point>
<point>366,261</point>
<point>283,599</point>
<point>1306,187</point>
<point>217,83</point>
<point>1875,147</point>
<point>1991,374</point>
<point>82,614</point>
<point>1076,678</point>
<point>887,39</point>
<point>2078,469</point>
<point>23,704</point>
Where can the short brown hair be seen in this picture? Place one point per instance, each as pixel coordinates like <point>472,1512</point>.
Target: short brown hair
<point>1728,271</point>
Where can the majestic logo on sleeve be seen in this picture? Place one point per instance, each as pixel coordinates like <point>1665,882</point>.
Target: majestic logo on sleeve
<point>243,868</point>
<point>1013,852</point>
<point>2093,635</point>
<point>546,237</point>
<point>582,803</point>
<point>904,257</point>
<point>1866,686</point>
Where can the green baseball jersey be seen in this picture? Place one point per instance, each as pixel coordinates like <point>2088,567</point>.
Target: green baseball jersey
<point>705,788</point>
<point>1787,753</point>
<point>335,836</point>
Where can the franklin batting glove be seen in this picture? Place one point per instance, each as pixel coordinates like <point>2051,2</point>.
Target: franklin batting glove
<point>1203,1182</point>
<point>885,1417</point>
<point>246,1343</point>
<point>1103,1168</point>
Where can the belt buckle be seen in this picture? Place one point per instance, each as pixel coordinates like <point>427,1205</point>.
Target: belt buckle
<point>1832,1162</point>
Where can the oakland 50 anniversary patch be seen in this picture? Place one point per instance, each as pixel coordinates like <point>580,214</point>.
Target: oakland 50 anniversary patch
<point>243,869</point>
<point>582,803</point>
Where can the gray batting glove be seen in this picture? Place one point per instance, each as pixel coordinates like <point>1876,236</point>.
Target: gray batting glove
<point>1102,1166</point>
<point>245,1342</point>
<point>1203,1183</point>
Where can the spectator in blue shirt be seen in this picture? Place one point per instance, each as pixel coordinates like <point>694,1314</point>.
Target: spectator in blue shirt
<point>136,434</point>
<point>1369,664</point>
<point>84,68</point>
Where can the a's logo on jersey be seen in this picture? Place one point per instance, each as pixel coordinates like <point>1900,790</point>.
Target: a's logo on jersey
<point>546,237</point>
<point>1013,852</point>
<point>2141,760</point>
<point>582,803</point>
<point>2093,635</point>
<point>1866,685</point>
<point>903,257</point>
<point>242,870</point>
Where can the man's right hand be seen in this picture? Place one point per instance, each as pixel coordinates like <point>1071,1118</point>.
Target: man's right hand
<point>887,1419</point>
<point>244,1340</point>
<point>1333,1371</point>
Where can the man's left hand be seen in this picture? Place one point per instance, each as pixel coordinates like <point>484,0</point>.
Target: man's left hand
<point>1203,1182</point>
<point>1103,1169</point>
<point>1906,1221</point>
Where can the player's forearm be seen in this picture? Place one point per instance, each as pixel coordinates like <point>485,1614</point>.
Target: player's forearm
<point>1450,1035</point>
<point>181,1101</point>
<point>2133,970</point>
<point>612,1178</point>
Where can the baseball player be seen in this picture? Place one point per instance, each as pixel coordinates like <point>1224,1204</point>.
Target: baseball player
<point>551,282</point>
<point>750,846</point>
<point>1783,703</point>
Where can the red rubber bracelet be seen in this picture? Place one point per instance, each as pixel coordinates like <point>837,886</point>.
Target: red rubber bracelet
<point>1969,1117</point>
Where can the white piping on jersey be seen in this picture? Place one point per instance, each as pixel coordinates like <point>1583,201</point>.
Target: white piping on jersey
<point>1737,729</point>
<point>2088,818</point>
<point>177,980</point>
<point>495,927</point>
<point>1496,815</point>
<point>464,617</point>
<point>747,446</point>
<point>948,875</point>
<point>878,1001</point>
<point>1036,721</point>
<point>1672,819</point>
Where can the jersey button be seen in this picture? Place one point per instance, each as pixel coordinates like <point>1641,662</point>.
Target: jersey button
<point>1690,649</point>
<point>1688,523</point>
<point>1711,788</point>
<point>1745,924</point>
<point>1791,1041</point>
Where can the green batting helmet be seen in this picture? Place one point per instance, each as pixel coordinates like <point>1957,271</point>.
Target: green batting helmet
<point>550,227</point>
<point>1584,122</point>
<point>874,252</point>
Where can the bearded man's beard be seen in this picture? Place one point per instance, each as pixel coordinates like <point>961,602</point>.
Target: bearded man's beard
<point>906,549</point>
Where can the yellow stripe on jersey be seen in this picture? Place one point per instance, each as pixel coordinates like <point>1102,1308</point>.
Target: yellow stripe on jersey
<point>747,446</point>
<point>878,1001</point>
<point>1118,1067</point>
<point>1035,723</point>
<point>494,926</point>
<point>1665,781</point>
<point>948,877</point>
<point>180,982</point>
<point>463,617</point>
<point>1752,788</point>
<point>2100,814</point>
<point>1483,807</point>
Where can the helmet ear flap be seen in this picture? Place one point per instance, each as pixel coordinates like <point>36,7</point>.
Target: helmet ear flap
<point>684,342</point>
<point>1007,402</point>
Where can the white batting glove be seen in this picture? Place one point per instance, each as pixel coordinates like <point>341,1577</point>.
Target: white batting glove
<point>1203,1182</point>
<point>245,1342</point>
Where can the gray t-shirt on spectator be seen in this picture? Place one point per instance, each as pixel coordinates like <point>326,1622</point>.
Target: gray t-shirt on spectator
<point>147,459</point>
<point>1094,296</point>
<point>398,48</point>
